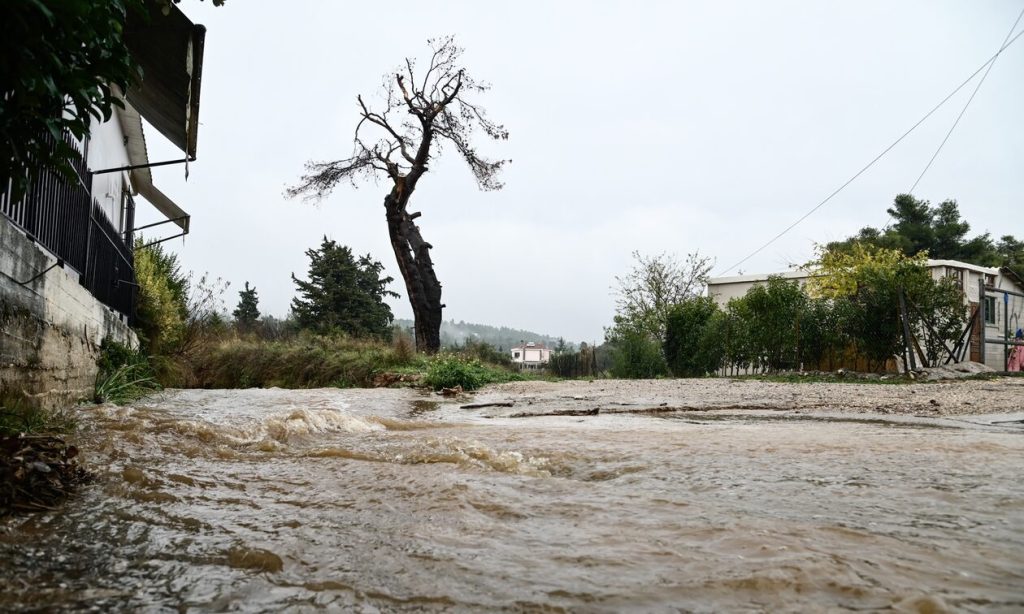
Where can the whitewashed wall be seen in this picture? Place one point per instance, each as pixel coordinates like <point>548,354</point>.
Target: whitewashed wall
<point>106,150</point>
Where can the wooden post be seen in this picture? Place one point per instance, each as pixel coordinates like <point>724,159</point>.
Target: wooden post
<point>907,350</point>
<point>981,308</point>
<point>1006,327</point>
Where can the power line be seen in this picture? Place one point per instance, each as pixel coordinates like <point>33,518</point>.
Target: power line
<point>964,110</point>
<point>876,159</point>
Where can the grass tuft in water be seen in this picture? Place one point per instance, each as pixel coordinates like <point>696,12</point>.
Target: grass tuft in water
<point>18,417</point>
<point>125,375</point>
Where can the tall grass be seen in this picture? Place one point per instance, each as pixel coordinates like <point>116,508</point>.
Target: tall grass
<point>312,361</point>
<point>18,416</point>
<point>307,361</point>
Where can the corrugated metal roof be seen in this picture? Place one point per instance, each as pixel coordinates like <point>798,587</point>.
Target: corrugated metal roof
<point>168,48</point>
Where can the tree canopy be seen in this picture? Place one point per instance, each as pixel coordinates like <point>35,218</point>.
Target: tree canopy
<point>938,230</point>
<point>870,279</point>
<point>646,295</point>
<point>247,311</point>
<point>343,293</point>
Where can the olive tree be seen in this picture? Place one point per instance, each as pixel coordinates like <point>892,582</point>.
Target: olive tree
<point>421,112</point>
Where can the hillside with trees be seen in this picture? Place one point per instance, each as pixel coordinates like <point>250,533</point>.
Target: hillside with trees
<point>501,337</point>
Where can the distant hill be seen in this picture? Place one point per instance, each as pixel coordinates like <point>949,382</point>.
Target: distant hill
<point>456,333</point>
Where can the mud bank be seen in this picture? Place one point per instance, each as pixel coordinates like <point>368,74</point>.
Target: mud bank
<point>939,399</point>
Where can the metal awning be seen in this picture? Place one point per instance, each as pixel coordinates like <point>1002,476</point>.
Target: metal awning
<point>169,50</point>
<point>142,178</point>
<point>164,204</point>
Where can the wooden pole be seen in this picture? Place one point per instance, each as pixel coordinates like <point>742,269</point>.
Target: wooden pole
<point>981,324</point>
<point>907,350</point>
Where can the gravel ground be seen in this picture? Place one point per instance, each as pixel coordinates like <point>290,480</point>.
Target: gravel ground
<point>947,398</point>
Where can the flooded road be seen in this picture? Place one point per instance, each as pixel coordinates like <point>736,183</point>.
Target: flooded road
<point>386,500</point>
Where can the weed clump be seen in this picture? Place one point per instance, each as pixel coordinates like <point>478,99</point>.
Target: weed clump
<point>454,370</point>
<point>125,375</point>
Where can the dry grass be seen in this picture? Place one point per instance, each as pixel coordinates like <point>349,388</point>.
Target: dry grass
<point>307,361</point>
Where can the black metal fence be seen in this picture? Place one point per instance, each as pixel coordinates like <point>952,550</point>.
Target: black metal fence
<point>63,217</point>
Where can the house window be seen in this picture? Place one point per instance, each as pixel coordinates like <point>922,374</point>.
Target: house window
<point>515,354</point>
<point>990,310</point>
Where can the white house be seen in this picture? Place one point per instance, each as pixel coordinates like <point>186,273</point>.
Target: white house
<point>66,247</point>
<point>1000,289</point>
<point>530,355</point>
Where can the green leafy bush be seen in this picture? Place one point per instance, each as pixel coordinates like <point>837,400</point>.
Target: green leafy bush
<point>635,355</point>
<point>162,301</point>
<point>451,370</point>
<point>693,345</point>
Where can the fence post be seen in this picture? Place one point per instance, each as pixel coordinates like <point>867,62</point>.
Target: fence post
<point>1006,328</point>
<point>907,350</point>
<point>981,307</point>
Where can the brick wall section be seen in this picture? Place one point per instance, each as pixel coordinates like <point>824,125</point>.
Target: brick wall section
<point>50,329</point>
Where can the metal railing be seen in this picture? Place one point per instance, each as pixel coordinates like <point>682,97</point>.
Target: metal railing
<point>63,217</point>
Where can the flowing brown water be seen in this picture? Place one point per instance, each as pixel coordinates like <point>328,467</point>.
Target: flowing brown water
<point>383,500</point>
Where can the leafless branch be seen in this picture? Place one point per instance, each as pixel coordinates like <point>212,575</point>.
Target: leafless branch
<point>437,111</point>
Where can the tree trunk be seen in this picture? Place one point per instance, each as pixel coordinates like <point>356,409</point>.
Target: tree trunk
<point>413,256</point>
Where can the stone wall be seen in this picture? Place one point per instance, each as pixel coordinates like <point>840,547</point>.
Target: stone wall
<point>50,328</point>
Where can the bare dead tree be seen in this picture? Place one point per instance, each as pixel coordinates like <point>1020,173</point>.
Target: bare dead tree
<point>421,114</point>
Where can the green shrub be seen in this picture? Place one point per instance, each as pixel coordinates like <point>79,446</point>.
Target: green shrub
<point>162,301</point>
<point>451,370</point>
<point>692,343</point>
<point>773,311</point>
<point>636,356</point>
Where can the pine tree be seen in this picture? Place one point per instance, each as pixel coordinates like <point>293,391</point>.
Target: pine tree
<point>939,230</point>
<point>247,312</point>
<point>343,293</point>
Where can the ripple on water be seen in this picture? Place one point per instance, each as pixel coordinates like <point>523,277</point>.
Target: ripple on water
<point>268,500</point>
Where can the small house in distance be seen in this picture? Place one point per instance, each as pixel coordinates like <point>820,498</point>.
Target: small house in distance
<point>530,355</point>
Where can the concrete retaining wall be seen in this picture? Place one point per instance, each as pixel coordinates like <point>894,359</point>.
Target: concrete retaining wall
<point>50,328</point>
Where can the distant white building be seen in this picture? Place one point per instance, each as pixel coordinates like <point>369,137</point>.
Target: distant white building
<point>530,355</point>
<point>1001,314</point>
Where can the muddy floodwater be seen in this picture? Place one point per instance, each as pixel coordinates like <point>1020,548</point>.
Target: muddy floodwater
<point>395,500</point>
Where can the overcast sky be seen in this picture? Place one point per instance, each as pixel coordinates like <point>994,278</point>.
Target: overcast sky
<point>651,126</point>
